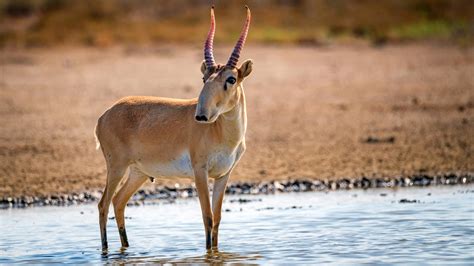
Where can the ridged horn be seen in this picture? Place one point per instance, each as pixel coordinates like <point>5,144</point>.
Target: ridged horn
<point>208,46</point>
<point>234,57</point>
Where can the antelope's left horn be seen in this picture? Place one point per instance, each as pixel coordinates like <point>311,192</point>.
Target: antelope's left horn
<point>234,57</point>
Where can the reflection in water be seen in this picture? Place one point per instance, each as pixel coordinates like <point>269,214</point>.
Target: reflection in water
<point>216,256</point>
<point>212,256</point>
<point>413,226</point>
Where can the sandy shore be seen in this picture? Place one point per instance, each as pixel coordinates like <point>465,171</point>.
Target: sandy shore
<point>314,112</point>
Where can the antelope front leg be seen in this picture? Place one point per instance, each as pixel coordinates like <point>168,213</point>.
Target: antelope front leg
<point>217,197</point>
<point>201,177</point>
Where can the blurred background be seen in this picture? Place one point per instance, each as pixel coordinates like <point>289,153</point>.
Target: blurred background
<point>40,23</point>
<point>343,94</point>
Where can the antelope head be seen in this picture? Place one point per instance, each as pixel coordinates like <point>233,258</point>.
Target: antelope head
<point>222,83</point>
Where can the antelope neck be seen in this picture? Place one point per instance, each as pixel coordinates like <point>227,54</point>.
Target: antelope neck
<point>233,124</point>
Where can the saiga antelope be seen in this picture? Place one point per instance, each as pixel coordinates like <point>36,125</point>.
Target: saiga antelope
<point>163,138</point>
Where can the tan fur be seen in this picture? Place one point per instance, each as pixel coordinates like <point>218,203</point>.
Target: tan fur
<point>160,138</point>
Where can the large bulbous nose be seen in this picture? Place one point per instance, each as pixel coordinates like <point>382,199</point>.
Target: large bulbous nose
<point>201,118</point>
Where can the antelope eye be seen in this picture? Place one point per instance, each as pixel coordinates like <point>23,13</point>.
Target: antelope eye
<point>231,80</point>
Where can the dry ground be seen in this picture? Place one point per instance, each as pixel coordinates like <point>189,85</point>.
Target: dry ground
<point>310,110</point>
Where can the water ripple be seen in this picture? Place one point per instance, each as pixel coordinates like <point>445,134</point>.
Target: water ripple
<point>329,228</point>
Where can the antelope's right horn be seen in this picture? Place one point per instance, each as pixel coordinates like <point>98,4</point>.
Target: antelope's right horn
<point>208,46</point>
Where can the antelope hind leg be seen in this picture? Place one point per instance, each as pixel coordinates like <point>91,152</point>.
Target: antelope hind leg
<point>114,176</point>
<point>134,182</point>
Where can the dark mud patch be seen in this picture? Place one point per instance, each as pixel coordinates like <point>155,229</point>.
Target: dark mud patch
<point>243,200</point>
<point>408,201</point>
<point>374,140</point>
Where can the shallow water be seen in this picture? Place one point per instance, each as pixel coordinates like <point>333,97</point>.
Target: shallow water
<point>315,227</point>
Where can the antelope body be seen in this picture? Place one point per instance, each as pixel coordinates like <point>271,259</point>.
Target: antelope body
<point>158,137</point>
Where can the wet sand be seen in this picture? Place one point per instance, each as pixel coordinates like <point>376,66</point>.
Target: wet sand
<point>314,112</point>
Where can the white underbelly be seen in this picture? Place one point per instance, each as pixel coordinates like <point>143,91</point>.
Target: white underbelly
<point>180,167</point>
<point>219,163</point>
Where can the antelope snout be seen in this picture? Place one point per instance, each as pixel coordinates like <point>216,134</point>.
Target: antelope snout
<point>201,118</point>
<point>205,110</point>
<point>202,115</point>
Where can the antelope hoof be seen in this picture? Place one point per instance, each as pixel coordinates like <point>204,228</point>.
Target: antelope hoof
<point>105,250</point>
<point>208,241</point>
<point>123,237</point>
<point>208,232</point>
<point>104,242</point>
<point>104,247</point>
<point>214,242</point>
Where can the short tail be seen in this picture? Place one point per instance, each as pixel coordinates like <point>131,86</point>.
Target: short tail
<point>97,142</point>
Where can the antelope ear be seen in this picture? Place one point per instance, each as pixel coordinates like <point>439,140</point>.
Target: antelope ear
<point>203,67</point>
<point>246,68</point>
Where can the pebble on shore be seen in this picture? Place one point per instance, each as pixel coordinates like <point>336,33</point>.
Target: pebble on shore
<point>243,188</point>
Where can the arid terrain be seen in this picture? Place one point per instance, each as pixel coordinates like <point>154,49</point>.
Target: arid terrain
<point>314,112</point>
